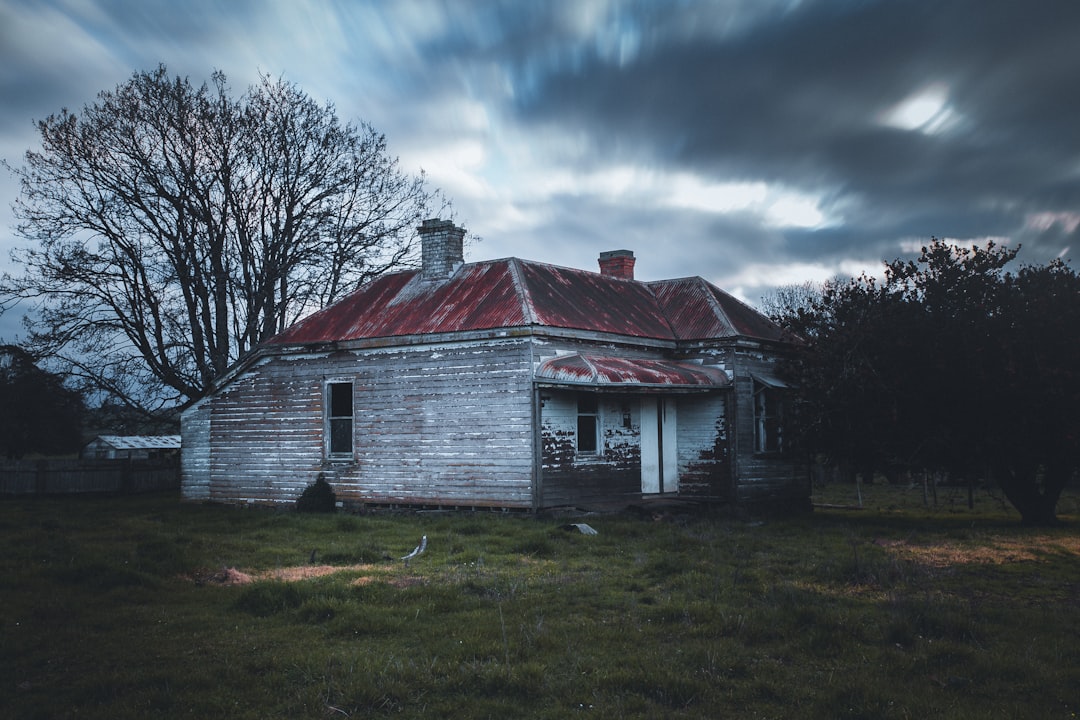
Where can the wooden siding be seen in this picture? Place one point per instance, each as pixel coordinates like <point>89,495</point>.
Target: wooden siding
<point>433,425</point>
<point>195,453</point>
<point>760,476</point>
<point>704,458</point>
<point>464,424</point>
<point>615,473</point>
<point>702,432</point>
<point>611,474</point>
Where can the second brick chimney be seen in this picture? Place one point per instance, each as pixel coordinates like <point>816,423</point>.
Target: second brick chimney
<point>441,248</point>
<point>617,263</point>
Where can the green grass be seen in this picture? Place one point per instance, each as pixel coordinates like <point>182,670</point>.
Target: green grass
<point>114,608</point>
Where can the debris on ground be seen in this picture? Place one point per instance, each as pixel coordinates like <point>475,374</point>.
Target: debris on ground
<point>582,528</point>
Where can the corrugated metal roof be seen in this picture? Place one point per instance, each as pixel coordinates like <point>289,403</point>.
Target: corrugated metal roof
<point>479,296</point>
<point>565,298</point>
<point>514,293</point>
<point>602,370</point>
<point>140,442</point>
<point>699,310</point>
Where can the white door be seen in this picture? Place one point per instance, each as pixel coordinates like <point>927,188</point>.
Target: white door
<point>659,464</point>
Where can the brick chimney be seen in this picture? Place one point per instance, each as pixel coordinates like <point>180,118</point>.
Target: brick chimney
<point>617,263</point>
<point>441,251</point>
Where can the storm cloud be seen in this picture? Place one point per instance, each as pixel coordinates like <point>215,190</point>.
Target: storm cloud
<point>753,143</point>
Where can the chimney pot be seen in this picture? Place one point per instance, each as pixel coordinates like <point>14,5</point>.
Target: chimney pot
<point>617,263</point>
<point>441,248</point>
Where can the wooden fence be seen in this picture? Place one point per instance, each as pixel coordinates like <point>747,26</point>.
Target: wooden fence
<point>43,477</point>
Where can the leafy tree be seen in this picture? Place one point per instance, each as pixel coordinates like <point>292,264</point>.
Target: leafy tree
<point>176,227</point>
<point>37,413</point>
<point>951,363</point>
<point>1035,440</point>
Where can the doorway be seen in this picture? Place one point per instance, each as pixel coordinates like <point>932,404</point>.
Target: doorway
<point>659,459</point>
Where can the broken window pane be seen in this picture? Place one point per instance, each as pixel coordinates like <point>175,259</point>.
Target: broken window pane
<point>768,418</point>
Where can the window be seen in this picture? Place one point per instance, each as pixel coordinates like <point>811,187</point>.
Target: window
<point>768,417</point>
<point>588,424</point>
<point>339,418</point>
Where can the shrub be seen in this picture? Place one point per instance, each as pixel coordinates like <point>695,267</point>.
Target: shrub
<point>318,497</point>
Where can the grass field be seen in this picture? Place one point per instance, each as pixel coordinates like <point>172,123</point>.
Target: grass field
<point>144,607</point>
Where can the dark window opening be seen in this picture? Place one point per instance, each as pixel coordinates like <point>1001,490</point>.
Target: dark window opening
<point>340,418</point>
<point>588,424</point>
<point>768,418</point>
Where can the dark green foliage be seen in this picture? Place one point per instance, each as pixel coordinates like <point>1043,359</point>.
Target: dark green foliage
<point>952,365</point>
<point>317,497</point>
<point>38,414</point>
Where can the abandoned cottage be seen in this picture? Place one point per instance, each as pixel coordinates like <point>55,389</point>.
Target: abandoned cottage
<point>504,383</point>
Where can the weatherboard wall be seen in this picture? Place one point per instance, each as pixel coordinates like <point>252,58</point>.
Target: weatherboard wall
<point>436,424</point>
<point>613,474</point>
<point>195,453</point>
<point>761,477</point>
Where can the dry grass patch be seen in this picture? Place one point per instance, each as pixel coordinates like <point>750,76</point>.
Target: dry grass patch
<point>1001,551</point>
<point>296,573</point>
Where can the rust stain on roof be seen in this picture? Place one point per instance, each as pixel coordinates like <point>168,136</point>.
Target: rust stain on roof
<point>699,310</point>
<point>583,300</point>
<point>479,296</point>
<point>513,293</point>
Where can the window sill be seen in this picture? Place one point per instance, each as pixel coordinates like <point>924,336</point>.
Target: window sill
<point>592,460</point>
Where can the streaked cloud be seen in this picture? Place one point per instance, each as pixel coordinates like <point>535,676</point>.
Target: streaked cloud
<point>752,142</point>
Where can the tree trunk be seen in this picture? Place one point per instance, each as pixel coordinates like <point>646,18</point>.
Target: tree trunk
<point>1036,501</point>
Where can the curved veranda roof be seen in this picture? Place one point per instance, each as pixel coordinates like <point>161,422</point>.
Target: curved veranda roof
<point>629,372</point>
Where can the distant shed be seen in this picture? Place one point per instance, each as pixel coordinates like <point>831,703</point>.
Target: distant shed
<point>132,447</point>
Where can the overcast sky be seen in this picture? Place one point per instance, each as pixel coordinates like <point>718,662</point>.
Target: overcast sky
<point>752,142</point>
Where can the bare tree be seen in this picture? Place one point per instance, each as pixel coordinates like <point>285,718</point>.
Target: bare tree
<point>787,300</point>
<point>175,227</point>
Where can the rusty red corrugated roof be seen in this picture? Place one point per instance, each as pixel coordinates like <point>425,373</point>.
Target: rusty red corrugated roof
<point>566,298</point>
<point>698,310</point>
<point>514,293</point>
<point>479,296</point>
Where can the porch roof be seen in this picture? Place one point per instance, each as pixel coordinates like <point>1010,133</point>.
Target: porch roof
<point>606,371</point>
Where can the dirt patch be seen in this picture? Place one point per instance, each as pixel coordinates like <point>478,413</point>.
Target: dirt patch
<point>224,576</point>
<point>232,576</point>
<point>398,582</point>
<point>947,554</point>
<point>306,572</point>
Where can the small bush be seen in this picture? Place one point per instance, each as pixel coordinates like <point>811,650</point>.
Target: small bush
<point>318,497</point>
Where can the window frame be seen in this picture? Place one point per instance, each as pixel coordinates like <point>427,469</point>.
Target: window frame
<point>767,402</point>
<point>334,417</point>
<point>592,415</point>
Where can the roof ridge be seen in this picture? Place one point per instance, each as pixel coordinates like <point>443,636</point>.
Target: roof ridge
<point>661,306</point>
<point>717,289</point>
<point>710,297</point>
<point>521,289</point>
